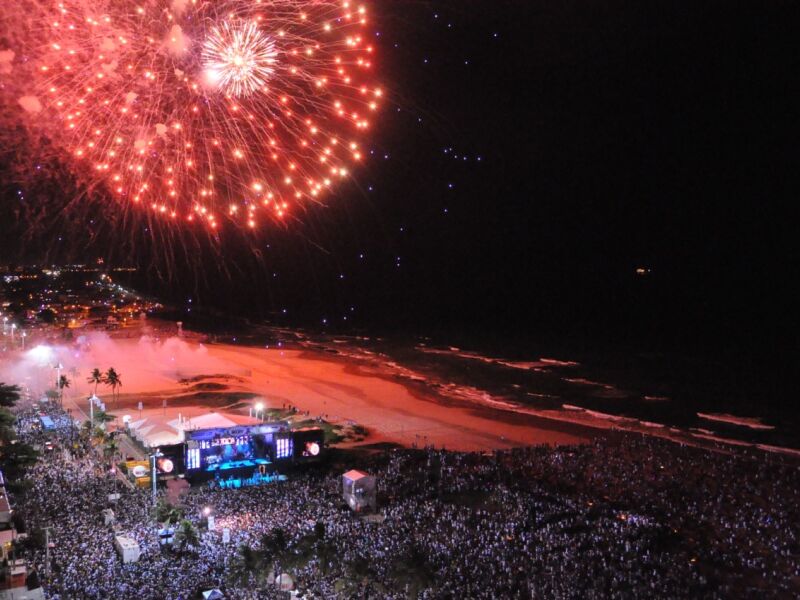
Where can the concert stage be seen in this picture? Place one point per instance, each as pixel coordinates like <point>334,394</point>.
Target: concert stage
<point>247,452</point>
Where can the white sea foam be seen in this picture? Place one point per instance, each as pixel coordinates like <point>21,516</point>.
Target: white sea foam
<point>750,422</point>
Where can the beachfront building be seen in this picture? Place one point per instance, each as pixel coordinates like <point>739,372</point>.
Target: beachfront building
<point>17,580</point>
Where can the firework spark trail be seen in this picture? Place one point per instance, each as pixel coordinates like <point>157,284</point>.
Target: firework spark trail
<point>195,110</point>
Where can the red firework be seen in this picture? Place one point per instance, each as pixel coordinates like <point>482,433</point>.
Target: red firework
<point>196,109</point>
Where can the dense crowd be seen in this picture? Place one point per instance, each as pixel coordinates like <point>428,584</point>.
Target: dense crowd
<point>623,517</point>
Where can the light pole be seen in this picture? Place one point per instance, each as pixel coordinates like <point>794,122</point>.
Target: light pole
<point>153,473</point>
<point>23,339</point>
<point>47,553</point>
<point>260,408</point>
<point>13,329</point>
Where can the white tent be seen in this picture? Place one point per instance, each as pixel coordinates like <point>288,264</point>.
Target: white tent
<point>212,595</point>
<point>154,432</point>
<point>157,431</point>
<point>137,423</point>
<point>162,437</point>
<point>207,421</point>
<point>141,428</point>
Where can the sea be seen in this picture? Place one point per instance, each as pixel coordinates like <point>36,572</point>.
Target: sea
<point>689,397</point>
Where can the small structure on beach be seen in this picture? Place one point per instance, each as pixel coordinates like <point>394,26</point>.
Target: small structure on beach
<point>358,490</point>
<point>127,548</point>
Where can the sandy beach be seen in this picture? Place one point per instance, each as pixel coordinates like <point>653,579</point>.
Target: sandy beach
<point>195,377</point>
<point>343,382</point>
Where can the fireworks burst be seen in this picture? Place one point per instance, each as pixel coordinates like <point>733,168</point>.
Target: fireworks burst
<point>238,58</point>
<point>196,109</point>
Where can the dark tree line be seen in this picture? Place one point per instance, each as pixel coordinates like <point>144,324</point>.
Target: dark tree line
<point>15,457</point>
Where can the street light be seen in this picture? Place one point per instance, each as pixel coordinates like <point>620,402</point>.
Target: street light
<point>23,339</point>
<point>260,408</point>
<point>58,367</point>
<point>13,329</point>
<point>47,552</point>
<point>154,474</point>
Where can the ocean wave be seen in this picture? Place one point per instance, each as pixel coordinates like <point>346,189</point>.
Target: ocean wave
<point>749,422</point>
<point>523,365</point>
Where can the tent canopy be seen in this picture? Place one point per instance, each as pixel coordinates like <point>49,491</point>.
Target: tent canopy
<point>210,420</point>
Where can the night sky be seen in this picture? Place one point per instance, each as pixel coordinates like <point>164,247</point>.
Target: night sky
<point>531,156</point>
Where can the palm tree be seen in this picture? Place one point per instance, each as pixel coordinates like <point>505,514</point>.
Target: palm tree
<point>166,513</point>
<point>111,448</point>
<point>113,379</point>
<point>99,436</point>
<point>7,422</point>
<point>16,459</point>
<point>63,382</point>
<point>273,545</point>
<point>186,535</point>
<point>102,417</point>
<point>249,557</point>
<point>86,430</point>
<point>245,564</point>
<point>9,395</point>
<point>96,378</point>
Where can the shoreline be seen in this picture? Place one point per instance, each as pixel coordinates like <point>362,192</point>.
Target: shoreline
<point>585,424</point>
<point>345,382</point>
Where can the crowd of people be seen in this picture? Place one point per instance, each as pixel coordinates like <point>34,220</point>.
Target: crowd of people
<point>622,517</point>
